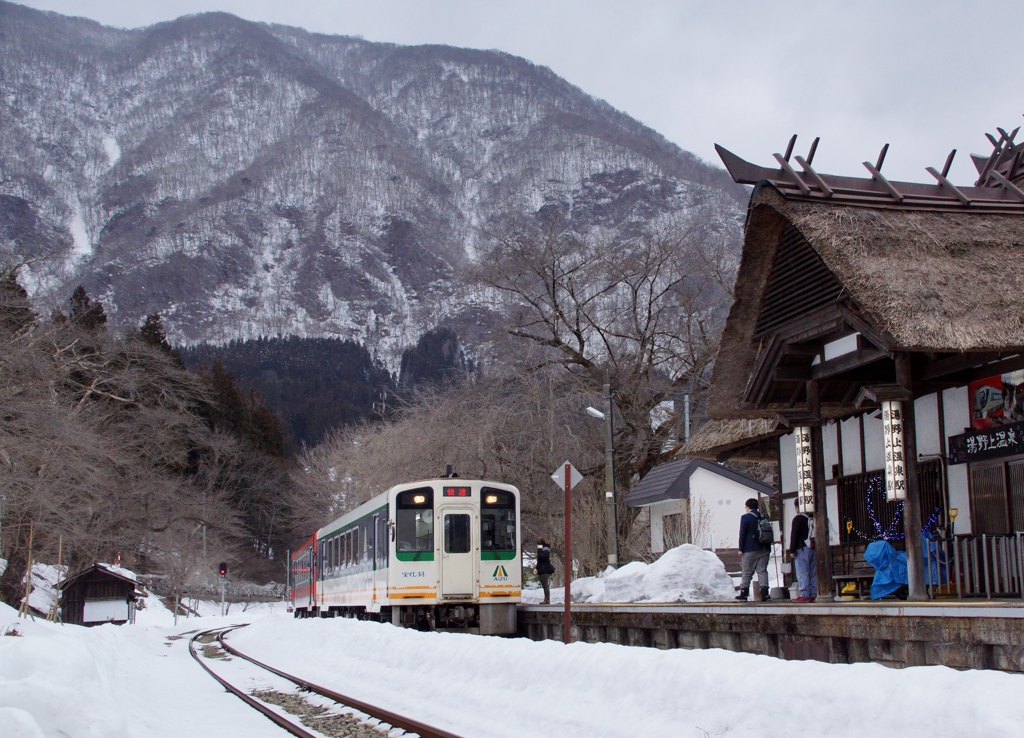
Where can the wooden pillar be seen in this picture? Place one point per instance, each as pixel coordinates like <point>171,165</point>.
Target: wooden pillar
<point>912,503</point>
<point>823,557</point>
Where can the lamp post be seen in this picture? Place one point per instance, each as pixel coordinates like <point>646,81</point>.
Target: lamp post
<point>611,515</point>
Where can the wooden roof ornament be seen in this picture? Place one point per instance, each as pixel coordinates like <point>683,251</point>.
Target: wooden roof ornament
<point>995,190</point>
<point>930,272</point>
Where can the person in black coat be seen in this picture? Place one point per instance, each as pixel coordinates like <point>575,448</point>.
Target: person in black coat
<point>801,551</point>
<point>544,569</point>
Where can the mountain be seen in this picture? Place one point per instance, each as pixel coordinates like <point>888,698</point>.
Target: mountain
<point>250,180</point>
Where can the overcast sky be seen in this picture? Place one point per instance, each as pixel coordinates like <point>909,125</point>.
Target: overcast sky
<point>924,76</point>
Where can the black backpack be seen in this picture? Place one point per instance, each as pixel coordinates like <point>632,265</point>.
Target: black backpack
<point>765,532</point>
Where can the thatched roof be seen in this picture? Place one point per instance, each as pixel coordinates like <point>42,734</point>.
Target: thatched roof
<point>926,280</point>
<point>717,437</point>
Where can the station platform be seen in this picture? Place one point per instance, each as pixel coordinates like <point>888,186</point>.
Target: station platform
<point>983,634</point>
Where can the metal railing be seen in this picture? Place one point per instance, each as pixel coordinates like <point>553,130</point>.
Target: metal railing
<point>975,566</point>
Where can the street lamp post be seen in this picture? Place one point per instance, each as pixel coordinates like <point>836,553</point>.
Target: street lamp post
<point>611,515</point>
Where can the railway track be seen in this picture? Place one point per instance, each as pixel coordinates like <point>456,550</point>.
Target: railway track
<point>285,699</point>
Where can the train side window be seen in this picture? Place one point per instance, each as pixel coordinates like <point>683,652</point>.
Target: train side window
<point>497,520</point>
<point>414,520</point>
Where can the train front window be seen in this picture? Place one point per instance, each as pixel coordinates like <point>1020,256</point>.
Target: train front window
<point>456,533</point>
<point>414,520</point>
<point>497,520</point>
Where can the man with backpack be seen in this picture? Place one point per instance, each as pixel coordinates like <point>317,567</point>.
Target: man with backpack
<point>756,539</point>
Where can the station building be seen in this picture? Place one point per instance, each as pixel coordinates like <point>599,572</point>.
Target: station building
<point>854,292</point>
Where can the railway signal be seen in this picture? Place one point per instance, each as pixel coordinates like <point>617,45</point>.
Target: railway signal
<point>223,569</point>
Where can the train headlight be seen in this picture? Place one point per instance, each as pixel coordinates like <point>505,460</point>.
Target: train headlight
<point>491,499</point>
<point>419,499</point>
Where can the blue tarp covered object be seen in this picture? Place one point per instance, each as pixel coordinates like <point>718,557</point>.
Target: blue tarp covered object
<point>890,568</point>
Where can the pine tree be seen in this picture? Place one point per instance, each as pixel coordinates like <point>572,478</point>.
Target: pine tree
<point>85,313</point>
<point>152,332</point>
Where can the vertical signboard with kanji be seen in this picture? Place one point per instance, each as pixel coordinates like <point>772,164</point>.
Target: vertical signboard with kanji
<point>892,435</point>
<point>804,470</point>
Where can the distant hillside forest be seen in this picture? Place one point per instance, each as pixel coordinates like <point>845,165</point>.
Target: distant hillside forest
<point>316,385</point>
<point>110,448</point>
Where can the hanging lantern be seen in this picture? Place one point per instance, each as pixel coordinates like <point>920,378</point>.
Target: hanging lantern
<point>892,435</point>
<point>804,470</point>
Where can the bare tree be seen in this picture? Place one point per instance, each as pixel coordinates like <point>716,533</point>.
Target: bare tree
<point>648,309</point>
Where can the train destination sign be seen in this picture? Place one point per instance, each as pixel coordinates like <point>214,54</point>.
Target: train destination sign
<point>458,492</point>
<point>988,443</point>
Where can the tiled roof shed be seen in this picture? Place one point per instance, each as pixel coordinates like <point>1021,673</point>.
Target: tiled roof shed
<point>671,481</point>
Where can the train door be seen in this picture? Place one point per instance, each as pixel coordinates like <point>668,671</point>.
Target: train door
<point>312,576</point>
<point>458,561</point>
<point>379,551</point>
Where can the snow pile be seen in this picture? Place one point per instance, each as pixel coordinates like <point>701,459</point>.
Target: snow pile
<point>683,574</point>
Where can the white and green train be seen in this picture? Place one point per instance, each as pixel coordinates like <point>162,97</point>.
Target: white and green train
<point>438,554</point>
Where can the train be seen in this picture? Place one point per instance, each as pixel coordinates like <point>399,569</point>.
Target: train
<point>437,554</point>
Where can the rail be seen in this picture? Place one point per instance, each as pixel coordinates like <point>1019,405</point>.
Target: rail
<point>392,718</point>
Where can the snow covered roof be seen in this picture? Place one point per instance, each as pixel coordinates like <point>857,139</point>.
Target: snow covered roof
<point>671,481</point>
<point>107,569</point>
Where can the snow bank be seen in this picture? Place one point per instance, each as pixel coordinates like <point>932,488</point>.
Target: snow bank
<point>509,688</point>
<point>136,682</point>
<point>683,574</point>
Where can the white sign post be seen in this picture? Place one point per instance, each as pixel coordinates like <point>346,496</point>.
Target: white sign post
<point>804,470</point>
<point>567,477</point>
<point>892,434</point>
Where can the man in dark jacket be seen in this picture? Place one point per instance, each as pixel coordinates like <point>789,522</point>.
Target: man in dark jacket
<point>754,554</point>
<point>802,555</point>
<point>544,569</point>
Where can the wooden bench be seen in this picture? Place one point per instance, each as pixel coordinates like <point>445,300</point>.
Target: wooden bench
<point>849,567</point>
<point>861,585</point>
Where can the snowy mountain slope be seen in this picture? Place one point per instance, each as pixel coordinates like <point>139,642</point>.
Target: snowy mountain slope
<point>250,180</point>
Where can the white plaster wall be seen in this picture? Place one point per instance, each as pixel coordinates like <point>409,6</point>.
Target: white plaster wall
<point>658,510</point>
<point>926,417</point>
<point>874,449</point>
<point>959,498</point>
<point>851,446</point>
<point>787,451</point>
<point>957,412</point>
<point>788,513</point>
<point>725,499</point>
<point>832,510</point>
<point>830,447</point>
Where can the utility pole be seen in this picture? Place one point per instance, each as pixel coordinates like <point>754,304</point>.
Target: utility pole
<point>611,513</point>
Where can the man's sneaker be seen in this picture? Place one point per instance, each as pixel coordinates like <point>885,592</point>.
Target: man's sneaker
<point>804,599</point>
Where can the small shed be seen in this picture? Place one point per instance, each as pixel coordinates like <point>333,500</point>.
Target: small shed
<point>100,594</point>
<point>695,501</point>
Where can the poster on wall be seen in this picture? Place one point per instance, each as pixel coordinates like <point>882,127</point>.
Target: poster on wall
<point>997,400</point>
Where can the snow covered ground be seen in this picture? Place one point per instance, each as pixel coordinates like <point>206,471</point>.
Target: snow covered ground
<point>485,686</point>
<point>138,681</point>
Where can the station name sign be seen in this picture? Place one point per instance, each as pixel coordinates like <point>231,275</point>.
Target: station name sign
<point>989,443</point>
